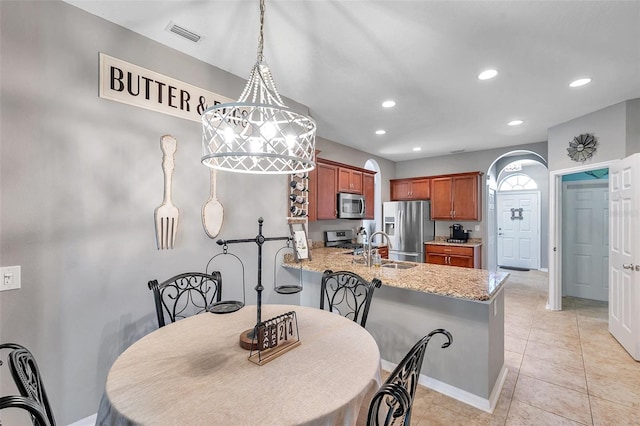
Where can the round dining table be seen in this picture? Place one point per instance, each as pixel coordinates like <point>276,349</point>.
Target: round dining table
<point>194,372</point>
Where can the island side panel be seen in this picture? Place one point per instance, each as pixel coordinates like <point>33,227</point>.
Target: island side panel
<point>496,338</point>
<point>399,318</point>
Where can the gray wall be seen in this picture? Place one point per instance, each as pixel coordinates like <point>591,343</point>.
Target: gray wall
<point>616,128</point>
<point>633,126</point>
<point>459,163</point>
<point>80,179</point>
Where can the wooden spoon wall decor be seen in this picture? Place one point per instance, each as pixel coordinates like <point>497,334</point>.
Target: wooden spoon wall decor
<point>212,211</point>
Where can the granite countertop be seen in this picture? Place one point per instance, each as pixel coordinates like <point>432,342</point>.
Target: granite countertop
<point>462,283</point>
<point>442,241</point>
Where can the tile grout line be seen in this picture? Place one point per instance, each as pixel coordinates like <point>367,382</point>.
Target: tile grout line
<point>584,367</point>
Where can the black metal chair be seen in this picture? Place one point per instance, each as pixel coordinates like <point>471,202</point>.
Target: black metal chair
<point>38,417</point>
<point>348,294</point>
<point>26,375</point>
<point>185,295</point>
<point>392,404</point>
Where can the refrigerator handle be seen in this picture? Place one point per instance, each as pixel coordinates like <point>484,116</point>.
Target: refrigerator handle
<point>400,227</point>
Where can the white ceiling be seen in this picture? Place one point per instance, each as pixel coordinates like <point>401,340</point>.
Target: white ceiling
<point>343,58</point>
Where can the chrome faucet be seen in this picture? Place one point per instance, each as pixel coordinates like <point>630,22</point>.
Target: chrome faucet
<point>369,256</point>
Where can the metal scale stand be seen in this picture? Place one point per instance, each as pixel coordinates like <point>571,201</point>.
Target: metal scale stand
<point>247,336</point>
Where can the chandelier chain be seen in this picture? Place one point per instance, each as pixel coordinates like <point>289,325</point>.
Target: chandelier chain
<point>261,36</point>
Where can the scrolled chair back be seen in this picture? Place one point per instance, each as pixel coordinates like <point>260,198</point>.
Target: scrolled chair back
<point>347,294</point>
<point>392,403</point>
<point>185,295</point>
<point>28,380</point>
<point>38,416</point>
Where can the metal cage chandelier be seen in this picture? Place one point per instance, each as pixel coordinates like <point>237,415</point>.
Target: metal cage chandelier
<point>260,135</point>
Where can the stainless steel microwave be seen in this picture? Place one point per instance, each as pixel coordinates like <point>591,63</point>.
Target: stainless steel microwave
<point>350,206</point>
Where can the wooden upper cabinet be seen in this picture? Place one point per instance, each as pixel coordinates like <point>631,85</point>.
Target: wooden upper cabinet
<point>349,180</point>
<point>368,189</point>
<point>312,198</point>
<point>326,191</point>
<point>456,197</point>
<point>441,200</point>
<point>410,189</point>
<point>466,204</point>
<point>334,177</point>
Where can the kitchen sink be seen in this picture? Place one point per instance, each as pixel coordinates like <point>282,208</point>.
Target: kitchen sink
<point>398,265</point>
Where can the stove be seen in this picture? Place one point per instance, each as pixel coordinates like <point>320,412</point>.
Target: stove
<point>340,239</point>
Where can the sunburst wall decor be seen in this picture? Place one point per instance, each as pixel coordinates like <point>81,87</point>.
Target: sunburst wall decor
<point>582,147</point>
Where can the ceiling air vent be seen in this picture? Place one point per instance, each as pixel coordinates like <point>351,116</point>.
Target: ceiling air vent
<point>183,32</point>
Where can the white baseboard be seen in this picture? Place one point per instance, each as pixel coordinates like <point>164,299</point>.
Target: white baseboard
<point>544,269</point>
<point>87,421</point>
<point>484,404</point>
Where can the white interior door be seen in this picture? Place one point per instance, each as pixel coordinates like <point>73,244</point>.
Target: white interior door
<point>518,229</point>
<point>624,268</point>
<point>585,236</point>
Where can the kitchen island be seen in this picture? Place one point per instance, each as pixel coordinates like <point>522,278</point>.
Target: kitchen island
<point>469,303</point>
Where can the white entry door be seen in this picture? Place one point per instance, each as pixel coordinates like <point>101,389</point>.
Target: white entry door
<point>624,264</point>
<point>518,229</point>
<point>585,239</point>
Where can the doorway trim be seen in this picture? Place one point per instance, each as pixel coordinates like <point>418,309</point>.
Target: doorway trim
<point>554,300</point>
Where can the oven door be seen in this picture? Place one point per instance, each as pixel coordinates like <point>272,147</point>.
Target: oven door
<point>350,206</point>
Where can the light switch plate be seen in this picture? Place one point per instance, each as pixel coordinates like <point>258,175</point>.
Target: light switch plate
<point>9,278</point>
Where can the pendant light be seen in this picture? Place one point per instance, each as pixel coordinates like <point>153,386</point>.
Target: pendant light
<point>258,133</point>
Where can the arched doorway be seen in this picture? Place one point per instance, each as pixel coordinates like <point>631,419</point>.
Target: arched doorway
<point>534,165</point>
<point>376,224</point>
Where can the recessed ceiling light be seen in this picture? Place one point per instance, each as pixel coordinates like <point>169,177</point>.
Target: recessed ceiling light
<point>580,82</point>
<point>515,123</point>
<point>487,74</point>
<point>417,148</point>
<point>389,104</point>
<point>380,132</point>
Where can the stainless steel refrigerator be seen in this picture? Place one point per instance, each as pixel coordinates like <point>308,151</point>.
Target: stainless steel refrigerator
<point>409,225</point>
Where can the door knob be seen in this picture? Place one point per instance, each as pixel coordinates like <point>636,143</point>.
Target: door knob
<point>627,265</point>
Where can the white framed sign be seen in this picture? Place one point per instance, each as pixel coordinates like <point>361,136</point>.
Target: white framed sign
<point>131,84</point>
<point>300,241</point>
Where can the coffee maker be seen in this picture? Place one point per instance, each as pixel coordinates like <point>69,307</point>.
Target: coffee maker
<point>457,234</point>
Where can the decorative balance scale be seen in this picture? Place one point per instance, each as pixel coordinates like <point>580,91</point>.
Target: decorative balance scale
<point>274,336</point>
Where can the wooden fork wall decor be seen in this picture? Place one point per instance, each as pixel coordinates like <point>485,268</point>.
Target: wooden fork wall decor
<point>166,215</point>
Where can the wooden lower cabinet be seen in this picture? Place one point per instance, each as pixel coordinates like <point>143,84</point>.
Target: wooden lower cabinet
<point>452,255</point>
<point>384,252</point>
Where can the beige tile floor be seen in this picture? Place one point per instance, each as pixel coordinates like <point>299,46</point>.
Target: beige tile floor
<point>564,367</point>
